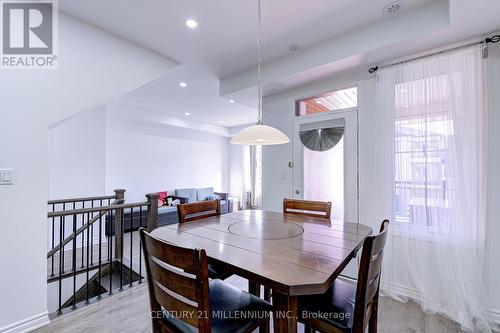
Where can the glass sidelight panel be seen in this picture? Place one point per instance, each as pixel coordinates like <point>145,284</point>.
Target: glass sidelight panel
<point>323,176</point>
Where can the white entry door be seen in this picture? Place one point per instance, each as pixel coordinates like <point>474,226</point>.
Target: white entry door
<point>332,174</point>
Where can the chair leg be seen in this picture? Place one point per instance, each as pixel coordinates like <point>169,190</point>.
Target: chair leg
<point>267,294</point>
<point>308,328</point>
<point>264,326</point>
<point>372,323</point>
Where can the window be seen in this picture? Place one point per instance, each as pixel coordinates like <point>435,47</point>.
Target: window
<point>337,100</point>
<point>252,177</point>
<point>423,131</point>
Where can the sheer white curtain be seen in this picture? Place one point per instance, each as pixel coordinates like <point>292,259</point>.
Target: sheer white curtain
<point>431,162</point>
<point>256,176</point>
<point>252,173</point>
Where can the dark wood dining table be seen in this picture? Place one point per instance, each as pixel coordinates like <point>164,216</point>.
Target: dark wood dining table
<point>291,254</point>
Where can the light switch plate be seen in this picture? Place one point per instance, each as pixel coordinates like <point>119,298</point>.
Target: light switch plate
<point>6,176</point>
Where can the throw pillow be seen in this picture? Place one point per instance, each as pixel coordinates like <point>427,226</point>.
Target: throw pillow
<point>213,197</point>
<point>163,197</point>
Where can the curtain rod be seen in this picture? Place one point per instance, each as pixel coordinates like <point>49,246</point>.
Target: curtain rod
<point>494,39</point>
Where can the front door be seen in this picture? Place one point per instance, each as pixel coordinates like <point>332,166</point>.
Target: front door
<point>326,161</point>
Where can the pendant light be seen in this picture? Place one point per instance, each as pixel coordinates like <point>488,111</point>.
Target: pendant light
<point>259,134</point>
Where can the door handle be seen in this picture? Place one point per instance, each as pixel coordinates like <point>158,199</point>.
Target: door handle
<point>297,191</point>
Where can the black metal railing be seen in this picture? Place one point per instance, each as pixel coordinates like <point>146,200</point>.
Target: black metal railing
<point>88,243</point>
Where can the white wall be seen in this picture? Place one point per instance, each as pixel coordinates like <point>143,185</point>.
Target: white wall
<point>137,149</point>
<point>146,156</point>
<point>278,182</point>
<point>77,156</point>
<point>277,177</point>
<point>93,66</point>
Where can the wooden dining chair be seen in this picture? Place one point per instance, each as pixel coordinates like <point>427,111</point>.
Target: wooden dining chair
<point>349,307</point>
<point>307,207</point>
<point>182,302</point>
<point>199,210</point>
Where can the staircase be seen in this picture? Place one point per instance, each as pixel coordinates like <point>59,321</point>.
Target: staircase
<point>85,263</point>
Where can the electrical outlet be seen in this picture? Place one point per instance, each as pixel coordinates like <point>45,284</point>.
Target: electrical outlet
<point>6,176</point>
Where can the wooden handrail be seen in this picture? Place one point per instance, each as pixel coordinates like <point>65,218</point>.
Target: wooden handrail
<point>96,209</point>
<point>101,210</point>
<point>78,231</point>
<point>60,201</point>
<point>116,209</point>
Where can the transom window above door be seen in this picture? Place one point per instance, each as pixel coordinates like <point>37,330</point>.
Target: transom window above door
<point>336,100</point>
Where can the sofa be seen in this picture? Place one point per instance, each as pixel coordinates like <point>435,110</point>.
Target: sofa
<point>167,214</point>
<point>189,195</point>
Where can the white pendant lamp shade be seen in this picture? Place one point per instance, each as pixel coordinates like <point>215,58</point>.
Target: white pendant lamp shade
<point>260,135</point>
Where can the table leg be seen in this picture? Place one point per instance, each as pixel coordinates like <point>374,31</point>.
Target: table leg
<point>285,313</point>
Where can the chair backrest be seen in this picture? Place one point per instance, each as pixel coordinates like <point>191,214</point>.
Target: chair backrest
<point>182,295</point>
<point>198,210</point>
<point>307,207</point>
<point>369,278</point>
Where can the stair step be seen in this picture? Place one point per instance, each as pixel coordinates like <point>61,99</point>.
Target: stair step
<point>110,274</point>
<point>69,273</point>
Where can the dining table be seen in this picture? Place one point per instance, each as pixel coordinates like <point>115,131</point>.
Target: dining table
<point>292,254</point>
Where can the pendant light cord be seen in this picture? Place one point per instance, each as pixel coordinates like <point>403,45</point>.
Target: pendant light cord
<point>259,64</point>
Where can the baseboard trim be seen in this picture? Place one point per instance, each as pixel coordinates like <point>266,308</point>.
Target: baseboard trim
<point>27,324</point>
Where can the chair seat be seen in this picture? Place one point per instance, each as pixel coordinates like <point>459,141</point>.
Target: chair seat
<point>227,303</point>
<point>335,307</point>
<point>215,272</point>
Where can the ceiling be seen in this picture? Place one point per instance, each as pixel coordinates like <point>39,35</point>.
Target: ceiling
<point>225,40</point>
<point>221,51</point>
<point>200,98</point>
<point>431,25</point>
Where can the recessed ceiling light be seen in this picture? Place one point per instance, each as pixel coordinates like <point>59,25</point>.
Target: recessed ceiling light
<point>183,84</point>
<point>187,113</point>
<point>191,23</point>
<point>293,47</point>
<point>393,8</point>
<point>220,121</point>
<point>231,101</point>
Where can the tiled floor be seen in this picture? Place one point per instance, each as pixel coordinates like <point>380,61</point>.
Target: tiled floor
<point>128,311</point>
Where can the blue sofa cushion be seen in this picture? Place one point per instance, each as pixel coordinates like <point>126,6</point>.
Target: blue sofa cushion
<point>213,197</point>
<point>204,193</point>
<point>189,193</point>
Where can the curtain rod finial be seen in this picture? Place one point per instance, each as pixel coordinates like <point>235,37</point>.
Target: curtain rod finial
<point>494,39</point>
<point>373,69</point>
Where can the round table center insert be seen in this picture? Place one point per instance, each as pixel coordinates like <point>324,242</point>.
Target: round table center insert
<point>266,230</point>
